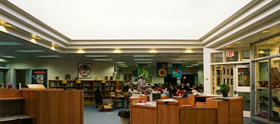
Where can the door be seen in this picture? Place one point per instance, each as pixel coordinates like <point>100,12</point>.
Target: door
<point>3,81</point>
<point>242,87</point>
<point>20,78</point>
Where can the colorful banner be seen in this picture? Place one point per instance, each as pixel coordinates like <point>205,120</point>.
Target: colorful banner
<point>143,70</point>
<point>162,69</point>
<point>177,71</point>
<point>40,77</point>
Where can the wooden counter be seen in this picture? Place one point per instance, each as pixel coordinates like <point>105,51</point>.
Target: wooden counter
<point>52,106</point>
<point>143,114</point>
<point>167,111</point>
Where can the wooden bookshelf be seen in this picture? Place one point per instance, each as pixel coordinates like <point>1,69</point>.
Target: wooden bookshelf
<point>89,86</point>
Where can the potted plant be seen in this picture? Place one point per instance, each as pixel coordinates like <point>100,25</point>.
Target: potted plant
<point>224,89</point>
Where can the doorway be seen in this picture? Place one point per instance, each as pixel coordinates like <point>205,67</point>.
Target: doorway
<point>242,87</point>
<point>3,79</point>
<point>22,76</point>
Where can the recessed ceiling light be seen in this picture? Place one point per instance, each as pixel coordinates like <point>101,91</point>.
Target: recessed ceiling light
<point>80,51</point>
<point>228,46</point>
<point>143,56</point>
<point>9,57</point>
<point>53,48</point>
<point>153,51</point>
<point>30,51</point>
<point>265,31</point>
<point>96,56</point>
<point>120,62</point>
<point>117,51</point>
<point>12,43</point>
<point>270,42</point>
<point>190,55</point>
<point>237,42</point>
<point>3,29</point>
<point>143,59</point>
<point>49,56</point>
<point>188,51</point>
<point>189,66</point>
<point>102,59</point>
<point>143,62</point>
<point>261,52</point>
<point>33,40</point>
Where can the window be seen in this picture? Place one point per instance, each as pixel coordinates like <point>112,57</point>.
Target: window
<point>233,58</point>
<point>245,54</point>
<point>217,57</point>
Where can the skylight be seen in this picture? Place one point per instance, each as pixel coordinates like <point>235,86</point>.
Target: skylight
<point>132,19</point>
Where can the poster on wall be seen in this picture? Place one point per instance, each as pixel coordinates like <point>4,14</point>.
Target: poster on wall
<point>40,76</point>
<point>177,71</point>
<point>84,70</point>
<point>162,69</point>
<point>143,70</point>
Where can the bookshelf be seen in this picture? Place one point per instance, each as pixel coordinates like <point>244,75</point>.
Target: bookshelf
<point>88,86</point>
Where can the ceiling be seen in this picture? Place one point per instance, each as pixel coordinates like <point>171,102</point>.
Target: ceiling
<point>19,44</point>
<point>131,19</point>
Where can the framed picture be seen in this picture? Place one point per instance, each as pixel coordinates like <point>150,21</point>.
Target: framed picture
<point>40,76</point>
<point>84,70</point>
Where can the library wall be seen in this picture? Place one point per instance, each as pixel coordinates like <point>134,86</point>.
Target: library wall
<point>59,67</point>
<point>155,79</point>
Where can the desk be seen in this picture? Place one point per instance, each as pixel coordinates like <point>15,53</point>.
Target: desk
<point>143,113</point>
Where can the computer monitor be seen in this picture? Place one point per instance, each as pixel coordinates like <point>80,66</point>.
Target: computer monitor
<point>155,96</point>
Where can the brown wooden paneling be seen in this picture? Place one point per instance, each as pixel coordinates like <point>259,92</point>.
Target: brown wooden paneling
<point>142,115</point>
<point>6,93</point>
<point>167,112</point>
<point>236,111</point>
<point>55,106</point>
<point>198,116</point>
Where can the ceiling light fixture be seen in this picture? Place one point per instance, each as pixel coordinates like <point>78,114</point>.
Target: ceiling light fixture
<point>265,31</point>
<point>3,29</point>
<point>153,51</point>
<point>30,51</point>
<point>188,51</point>
<point>96,56</point>
<point>117,51</point>
<point>33,41</point>
<point>9,57</point>
<point>80,51</point>
<point>53,48</point>
<point>189,66</point>
<point>237,42</point>
<point>261,52</point>
<point>120,62</point>
<point>143,59</point>
<point>102,59</point>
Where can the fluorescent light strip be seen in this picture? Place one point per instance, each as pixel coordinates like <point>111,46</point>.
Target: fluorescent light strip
<point>49,56</point>
<point>30,51</point>
<point>9,57</point>
<point>120,62</point>
<point>102,59</point>
<point>96,56</point>
<point>10,43</point>
<point>194,64</point>
<point>143,62</point>
<point>143,59</point>
<point>142,56</point>
<point>189,66</point>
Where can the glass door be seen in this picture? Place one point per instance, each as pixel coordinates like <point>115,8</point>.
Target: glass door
<point>275,89</point>
<point>242,87</point>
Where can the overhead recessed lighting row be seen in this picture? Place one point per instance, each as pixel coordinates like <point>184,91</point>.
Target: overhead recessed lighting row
<point>119,51</point>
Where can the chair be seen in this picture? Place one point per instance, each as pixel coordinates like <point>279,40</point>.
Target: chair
<point>126,97</point>
<point>118,99</point>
